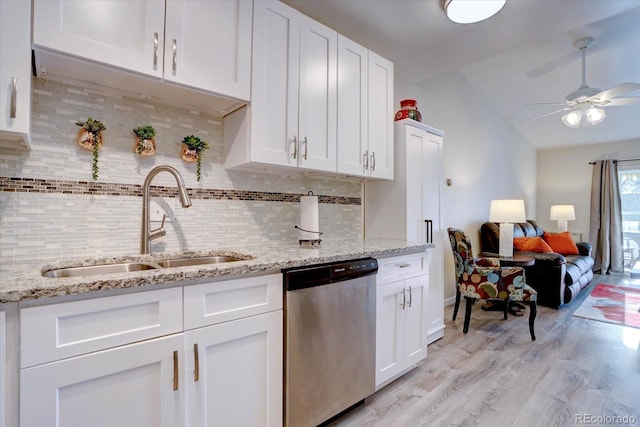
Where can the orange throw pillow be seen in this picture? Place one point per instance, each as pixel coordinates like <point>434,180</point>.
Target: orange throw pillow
<point>561,243</point>
<point>531,244</point>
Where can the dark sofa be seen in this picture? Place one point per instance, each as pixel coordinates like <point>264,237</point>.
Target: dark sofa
<point>557,278</point>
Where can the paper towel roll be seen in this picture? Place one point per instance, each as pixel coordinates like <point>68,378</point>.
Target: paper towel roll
<point>309,218</point>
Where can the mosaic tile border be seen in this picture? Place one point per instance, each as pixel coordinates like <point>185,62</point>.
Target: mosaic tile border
<point>34,185</point>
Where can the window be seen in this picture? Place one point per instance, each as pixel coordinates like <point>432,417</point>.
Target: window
<point>629,184</point>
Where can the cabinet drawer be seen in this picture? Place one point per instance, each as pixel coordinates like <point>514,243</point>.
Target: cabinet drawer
<point>402,267</point>
<point>212,303</point>
<point>58,331</point>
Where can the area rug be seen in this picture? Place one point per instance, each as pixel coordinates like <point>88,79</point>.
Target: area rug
<point>612,304</point>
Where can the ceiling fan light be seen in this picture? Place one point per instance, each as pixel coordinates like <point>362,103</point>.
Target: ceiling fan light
<point>470,11</point>
<point>572,118</point>
<point>595,115</point>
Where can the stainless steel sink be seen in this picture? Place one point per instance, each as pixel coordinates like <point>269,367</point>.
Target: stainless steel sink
<point>185,262</point>
<point>92,270</point>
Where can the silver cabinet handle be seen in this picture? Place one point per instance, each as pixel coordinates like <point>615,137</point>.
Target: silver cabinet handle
<point>365,160</point>
<point>175,370</point>
<point>404,265</point>
<point>155,51</point>
<point>410,297</point>
<point>373,161</point>
<point>14,96</point>
<point>305,147</point>
<point>196,361</point>
<point>175,55</point>
<point>404,298</point>
<point>295,147</point>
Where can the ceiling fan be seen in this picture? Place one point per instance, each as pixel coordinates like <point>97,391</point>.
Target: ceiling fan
<point>587,100</point>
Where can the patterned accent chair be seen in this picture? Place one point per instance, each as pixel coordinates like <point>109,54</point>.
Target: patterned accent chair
<point>483,278</point>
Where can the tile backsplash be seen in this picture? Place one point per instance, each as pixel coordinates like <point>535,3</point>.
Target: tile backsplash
<point>50,207</point>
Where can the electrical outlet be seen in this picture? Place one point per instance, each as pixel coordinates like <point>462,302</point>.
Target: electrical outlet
<point>156,211</point>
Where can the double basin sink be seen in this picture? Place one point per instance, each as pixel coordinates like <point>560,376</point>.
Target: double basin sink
<point>124,267</point>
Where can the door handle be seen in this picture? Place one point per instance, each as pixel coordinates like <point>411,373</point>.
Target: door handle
<point>196,361</point>
<point>175,56</point>
<point>365,160</point>
<point>404,298</point>
<point>305,148</point>
<point>175,370</point>
<point>373,161</point>
<point>155,51</point>
<point>14,96</point>
<point>295,147</point>
<point>429,230</point>
<point>410,297</point>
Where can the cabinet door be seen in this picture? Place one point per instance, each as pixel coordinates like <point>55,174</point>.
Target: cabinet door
<point>274,84</point>
<point>234,373</point>
<point>15,70</point>
<point>414,140</point>
<point>352,142</point>
<point>317,130</point>
<point>431,202</point>
<point>124,34</point>
<point>415,320</point>
<point>208,45</point>
<point>380,116</point>
<point>131,385</point>
<point>389,321</point>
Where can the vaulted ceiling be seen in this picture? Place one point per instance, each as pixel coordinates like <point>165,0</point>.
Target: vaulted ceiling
<point>522,55</point>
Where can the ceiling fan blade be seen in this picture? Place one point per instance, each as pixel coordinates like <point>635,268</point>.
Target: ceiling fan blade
<point>547,103</point>
<point>623,101</point>
<point>546,115</point>
<point>616,91</point>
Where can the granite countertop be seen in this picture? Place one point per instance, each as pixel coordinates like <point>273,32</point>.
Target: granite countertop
<point>24,281</point>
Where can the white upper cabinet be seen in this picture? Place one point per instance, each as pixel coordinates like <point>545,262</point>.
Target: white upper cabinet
<point>317,92</point>
<point>292,119</point>
<point>311,101</point>
<point>208,45</point>
<point>127,35</point>
<point>365,112</point>
<point>15,71</point>
<point>380,109</point>
<point>353,89</point>
<point>204,45</point>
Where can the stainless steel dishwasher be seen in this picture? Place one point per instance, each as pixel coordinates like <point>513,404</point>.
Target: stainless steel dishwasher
<point>330,331</point>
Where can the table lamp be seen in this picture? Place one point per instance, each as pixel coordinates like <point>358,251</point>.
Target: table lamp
<point>506,212</point>
<point>562,214</point>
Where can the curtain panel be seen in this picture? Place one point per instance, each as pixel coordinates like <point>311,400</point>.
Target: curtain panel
<point>605,227</point>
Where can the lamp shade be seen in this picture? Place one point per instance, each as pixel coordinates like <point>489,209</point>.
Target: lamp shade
<point>562,213</point>
<point>468,12</point>
<point>507,211</point>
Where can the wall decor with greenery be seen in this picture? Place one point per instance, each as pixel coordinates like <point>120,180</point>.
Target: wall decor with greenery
<point>90,138</point>
<point>145,144</point>
<point>192,148</point>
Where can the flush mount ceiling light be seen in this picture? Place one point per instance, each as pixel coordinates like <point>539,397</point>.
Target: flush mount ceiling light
<point>470,11</point>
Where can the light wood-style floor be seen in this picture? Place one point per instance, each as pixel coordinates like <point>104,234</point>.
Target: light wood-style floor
<point>496,376</point>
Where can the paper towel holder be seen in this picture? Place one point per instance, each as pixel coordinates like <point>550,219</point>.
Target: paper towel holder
<point>311,242</point>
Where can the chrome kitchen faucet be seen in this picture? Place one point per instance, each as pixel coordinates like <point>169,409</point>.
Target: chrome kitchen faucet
<point>148,234</point>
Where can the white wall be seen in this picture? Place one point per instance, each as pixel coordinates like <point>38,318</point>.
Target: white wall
<point>564,178</point>
<point>484,155</point>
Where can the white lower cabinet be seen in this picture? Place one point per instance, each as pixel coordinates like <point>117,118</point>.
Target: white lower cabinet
<point>222,368</point>
<point>401,316</point>
<point>234,373</point>
<point>132,385</point>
